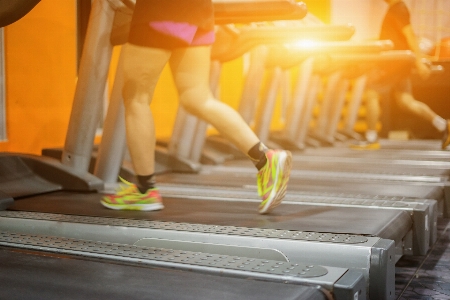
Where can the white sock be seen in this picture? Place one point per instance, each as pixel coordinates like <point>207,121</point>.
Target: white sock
<point>371,136</point>
<point>439,123</point>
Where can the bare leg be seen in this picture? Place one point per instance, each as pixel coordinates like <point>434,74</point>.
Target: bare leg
<point>142,68</point>
<point>373,109</point>
<point>407,102</point>
<point>190,68</point>
<point>372,117</point>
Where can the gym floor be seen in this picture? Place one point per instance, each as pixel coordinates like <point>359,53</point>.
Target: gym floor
<point>418,277</point>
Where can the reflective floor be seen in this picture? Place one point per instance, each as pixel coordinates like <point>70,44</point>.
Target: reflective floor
<point>428,277</point>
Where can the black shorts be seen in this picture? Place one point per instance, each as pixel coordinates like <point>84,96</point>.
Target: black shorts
<point>172,24</point>
<point>387,80</point>
<point>170,35</point>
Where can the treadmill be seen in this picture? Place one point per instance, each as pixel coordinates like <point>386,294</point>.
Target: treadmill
<point>362,47</point>
<point>32,247</point>
<point>114,180</point>
<point>188,143</point>
<point>293,136</point>
<point>431,192</point>
<point>72,215</point>
<point>380,243</point>
<point>407,154</point>
<point>402,150</point>
<point>342,64</point>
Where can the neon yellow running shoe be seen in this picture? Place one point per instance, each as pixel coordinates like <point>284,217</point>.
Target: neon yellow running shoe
<point>128,197</point>
<point>273,179</point>
<point>365,145</point>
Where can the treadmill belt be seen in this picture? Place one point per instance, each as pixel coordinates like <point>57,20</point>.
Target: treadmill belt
<point>370,164</point>
<point>333,185</point>
<point>358,164</point>
<point>44,275</point>
<point>387,154</point>
<point>386,224</point>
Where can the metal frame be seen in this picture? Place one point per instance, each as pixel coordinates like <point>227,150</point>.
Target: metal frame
<point>89,92</point>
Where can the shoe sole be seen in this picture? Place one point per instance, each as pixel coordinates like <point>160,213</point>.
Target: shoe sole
<point>141,207</point>
<point>276,199</point>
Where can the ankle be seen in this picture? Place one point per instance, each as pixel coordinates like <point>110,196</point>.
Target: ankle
<point>145,182</point>
<point>258,155</point>
<point>261,163</point>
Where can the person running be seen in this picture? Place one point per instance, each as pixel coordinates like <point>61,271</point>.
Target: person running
<point>181,33</point>
<point>396,27</point>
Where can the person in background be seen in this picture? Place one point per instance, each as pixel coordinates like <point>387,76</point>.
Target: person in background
<point>180,33</point>
<point>396,27</point>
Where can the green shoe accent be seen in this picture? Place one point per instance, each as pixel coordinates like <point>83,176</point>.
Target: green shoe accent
<point>365,145</point>
<point>273,178</point>
<point>128,197</point>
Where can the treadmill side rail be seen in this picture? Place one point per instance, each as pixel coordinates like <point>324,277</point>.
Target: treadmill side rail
<point>382,270</point>
<point>350,286</point>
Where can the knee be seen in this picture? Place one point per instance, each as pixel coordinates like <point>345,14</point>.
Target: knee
<point>196,100</point>
<point>129,91</point>
<point>135,92</point>
<point>193,107</point>
<point>404,100</point>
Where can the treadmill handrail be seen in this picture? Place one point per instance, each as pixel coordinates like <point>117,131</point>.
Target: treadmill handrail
<point>230,45</point>
<point>290,55</point>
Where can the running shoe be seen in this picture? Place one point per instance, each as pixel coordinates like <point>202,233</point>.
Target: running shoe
<point>273,179</point>
<point>128,197</point>
<point>365,145</point>
<point>446,137</point>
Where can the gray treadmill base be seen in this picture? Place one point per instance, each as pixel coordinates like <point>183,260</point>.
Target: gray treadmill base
<point>222,265</point>
<point>338,250</point>
<point>44,275</point>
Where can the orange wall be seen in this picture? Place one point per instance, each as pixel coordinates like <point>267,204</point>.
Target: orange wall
<point>41,79</point>
<point>40,54</point>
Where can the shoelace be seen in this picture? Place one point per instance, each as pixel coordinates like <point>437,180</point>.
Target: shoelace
<point>262,178</point>
<point>126,188</point>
